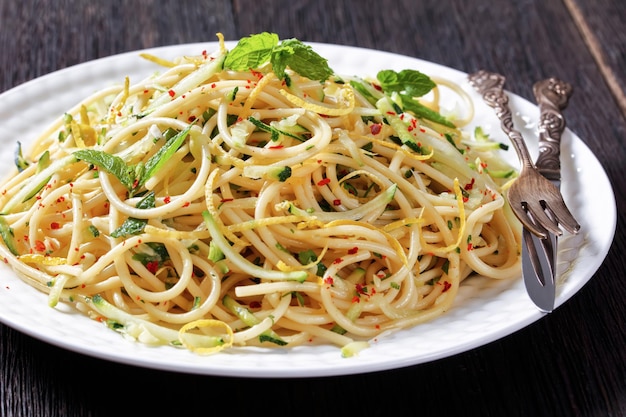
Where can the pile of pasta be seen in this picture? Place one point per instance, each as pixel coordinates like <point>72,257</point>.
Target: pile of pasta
<point>205,207</point>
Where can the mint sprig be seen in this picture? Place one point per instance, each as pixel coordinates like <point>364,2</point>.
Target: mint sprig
<point>409,84</point>
<point>255,51</point>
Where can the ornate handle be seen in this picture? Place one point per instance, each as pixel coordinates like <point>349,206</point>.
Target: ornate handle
<point>491,86</point>
<point>552,96</point>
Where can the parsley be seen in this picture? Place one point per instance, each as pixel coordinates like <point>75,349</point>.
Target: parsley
<point>254,51</point>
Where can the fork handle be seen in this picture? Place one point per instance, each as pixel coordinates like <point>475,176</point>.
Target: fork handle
<point>491,87</point>
<point>552,96</point>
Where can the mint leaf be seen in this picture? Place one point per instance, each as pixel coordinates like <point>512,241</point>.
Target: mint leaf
<point>411,82</point>
<point>163,155</point>
<point>112,164</point>
<point>133,226</point>
<point>251,52</point>
<point>300,58</point>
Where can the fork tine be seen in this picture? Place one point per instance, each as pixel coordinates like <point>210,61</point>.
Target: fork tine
<point>528,222</point>
<point>561,213</point>
<point>537,211</point>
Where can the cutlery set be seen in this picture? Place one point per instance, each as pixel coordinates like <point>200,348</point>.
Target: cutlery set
<point>535,196</point>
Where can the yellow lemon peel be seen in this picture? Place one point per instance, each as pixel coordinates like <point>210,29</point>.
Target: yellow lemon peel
<point>197,324</point>
<point>317,108</point>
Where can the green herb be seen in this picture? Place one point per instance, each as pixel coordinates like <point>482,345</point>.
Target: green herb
<point>112,164</point>
<point>407,82</point>
<point>134,176</point>
<point>254,51</point>
<point>407,85</point>
<point>133,226</point>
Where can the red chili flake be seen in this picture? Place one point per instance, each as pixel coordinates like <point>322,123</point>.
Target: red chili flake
<point>277,147</point>
<point>146,91</point>
<point>186,204</point>
<point>470,185</point>
<point>470,246</point>
<point>172,93</point>
<point>226,200</point>
<point>83,285</point>
<point>40,246</point>
<point>337,261</point>
<point>361,289</point>
<point>336,202</point>
<point>356,299</point>
<point>465,199</point>
<point>213,85</point>
<point>422,130</point>
<point>60,199</point>
<point>375,128</point>
<point>328,281</point>
<point>377,87</point>
<point>54,225</point>
<point>191,119</point>
<point>446,286</point>
<point>323,182</point>
<point>391,113</point>
<point>152,266</point>
<point>353,250</point>
<point>167,199</point>
<point>255,304</point>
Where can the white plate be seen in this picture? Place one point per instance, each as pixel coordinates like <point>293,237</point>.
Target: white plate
<point>485,310</point>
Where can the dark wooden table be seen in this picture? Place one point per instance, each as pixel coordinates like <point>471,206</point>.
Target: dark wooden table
<point>572,362</point>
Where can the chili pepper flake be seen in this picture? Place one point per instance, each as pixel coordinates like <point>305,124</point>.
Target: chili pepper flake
<point>336,202</point>
<point>152,266</point>
<point>446,286</point>
<point>172,93</point>
<point>323,182</point>
<point>54,225</point>
<point>375,128</point>
<point>329,281</point>
<point>353,250</point>
<point>40,246</point>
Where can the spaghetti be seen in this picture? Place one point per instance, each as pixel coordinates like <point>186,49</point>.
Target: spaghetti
<point>209,207</point>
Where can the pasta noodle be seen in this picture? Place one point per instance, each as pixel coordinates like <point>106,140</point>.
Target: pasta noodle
<point>207,207</point>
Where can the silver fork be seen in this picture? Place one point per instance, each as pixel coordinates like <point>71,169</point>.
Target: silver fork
<point>535,201</point>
